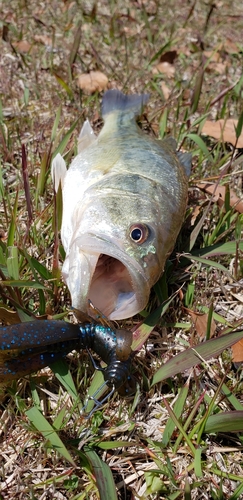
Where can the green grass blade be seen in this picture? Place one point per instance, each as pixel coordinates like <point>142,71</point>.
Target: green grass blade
<point>197,89</point>
<point>13,263</point>
<point>239,126</point>
<point>103,475</point>
<point>12,228</point>
<point>75,45</point>
<point>47,431</point>
<point>60,418</point>
<point>187,490</point>
<point>198,462</point>
<point>97,382</point>
<point>191,357</point>
<point>237,495</point>
<point>36,266</point>
<point>178,409</point>
<point>111,445</point>
<point>179,426</point>
<point>141,333</point>
<point>228,248</point>
<point>64,85</point>
<point>63,374</point>
<point>231,398</point>
<point>61,147</point>
<point>35,395</point>
<point>206,262</point>
<point>201,144</point>
<point>159,53</point>
<point>230,421</point>
<point>23,283</point>
<point>55,124</point>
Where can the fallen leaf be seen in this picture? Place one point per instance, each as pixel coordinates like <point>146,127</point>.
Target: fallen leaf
<point>44,39</point>
<point>219,193</point>
<point>237,352</point>
<point>184,49</point>
<point>23,46</point>
<point>212,55</point>
<point>186,94</point>
<point>223,130</point>
<point>219,68</point>
<point>238,296</point>
<point>215,63</point>
<point>3,234</point>
<point>93,81</point>
<point>200,321</point>
<point>165,90</point>
<point>165,68</point>
<point>169,56</point>
<point>8,316</point>
<point>67,6</point>
<point>230,47</point>
<point>195,213</point>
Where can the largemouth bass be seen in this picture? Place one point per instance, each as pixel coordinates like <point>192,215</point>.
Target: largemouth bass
<point>124,200</point>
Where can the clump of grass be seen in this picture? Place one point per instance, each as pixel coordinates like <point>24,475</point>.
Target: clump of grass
<point>181,435</point>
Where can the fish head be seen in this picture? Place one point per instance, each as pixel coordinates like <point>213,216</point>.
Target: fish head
<point>115,254</point>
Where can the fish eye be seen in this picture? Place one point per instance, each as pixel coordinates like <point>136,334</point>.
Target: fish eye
<point>139,233</point>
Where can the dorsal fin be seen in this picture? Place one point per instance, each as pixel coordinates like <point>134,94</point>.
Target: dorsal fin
<point>170,142</point>
<point>186,161</point>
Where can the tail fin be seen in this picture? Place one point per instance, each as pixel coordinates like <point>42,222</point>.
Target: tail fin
<point>114,100</point>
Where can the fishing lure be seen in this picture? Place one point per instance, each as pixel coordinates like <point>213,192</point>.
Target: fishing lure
<point>28,347</point>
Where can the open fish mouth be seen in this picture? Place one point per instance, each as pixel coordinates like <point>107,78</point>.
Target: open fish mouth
<point>111,288</point>
<point>103,273</point>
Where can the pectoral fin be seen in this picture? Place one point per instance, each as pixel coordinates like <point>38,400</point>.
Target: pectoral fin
<point>86,136</point>
<point>58,171</point>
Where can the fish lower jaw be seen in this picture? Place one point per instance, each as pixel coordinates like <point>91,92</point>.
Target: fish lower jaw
<point>126,307</point>
<point>117,288</point>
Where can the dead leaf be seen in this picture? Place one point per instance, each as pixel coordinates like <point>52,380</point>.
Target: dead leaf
<point>184,50</point>
<point>93,81</point>
<point>67,6</point>
<point>165,68</point>
<point>165,90</point>
<point>195,213</point>
<point>238,296</point>
<point>186,94</point>
<point>212,55</point>
<point>23,46</point>
<point>44,39</point>
<point>230,47</point>
<point>200,322</point>
<point>220,68</point>
<point>219,193</point>
<point>3,234</point>
<point>237,352</point>
<point>8,316</point>
<point>223,130</point>
<point>169,56</point>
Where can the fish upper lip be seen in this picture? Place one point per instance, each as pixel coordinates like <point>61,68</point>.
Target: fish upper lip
<point>95,245</point>
<point>104,247</point>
